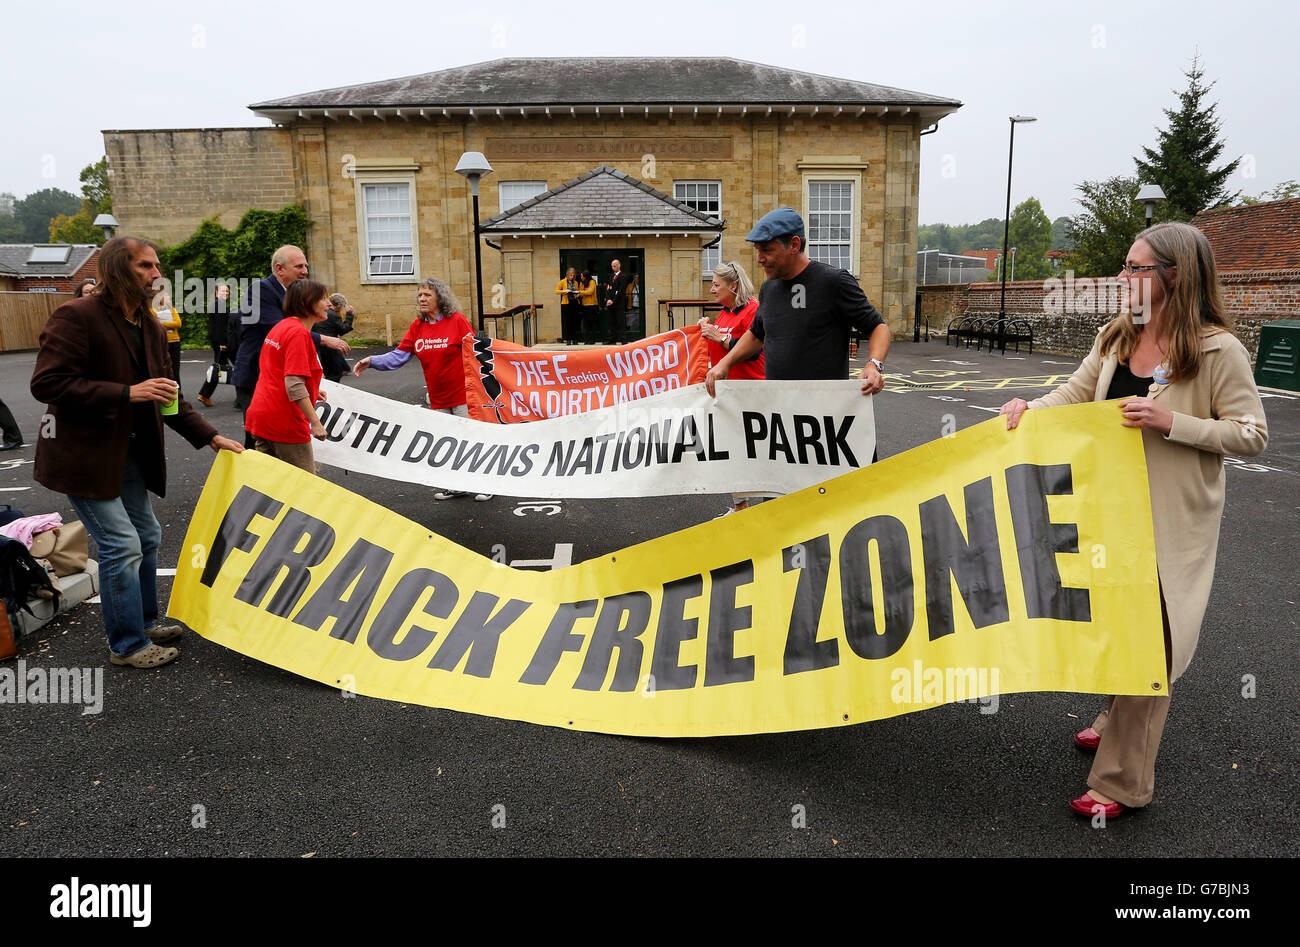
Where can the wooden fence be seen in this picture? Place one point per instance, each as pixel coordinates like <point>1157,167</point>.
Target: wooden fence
<point>23,316</point>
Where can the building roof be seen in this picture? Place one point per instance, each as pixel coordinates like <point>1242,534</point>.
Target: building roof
<point>602,200</point>
<point>1264,236</point>
<point>990,257</point>
<point>14,259</point>
<point>638,81</point>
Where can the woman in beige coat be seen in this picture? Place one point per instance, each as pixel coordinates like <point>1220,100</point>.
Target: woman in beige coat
<point>1186,381</point>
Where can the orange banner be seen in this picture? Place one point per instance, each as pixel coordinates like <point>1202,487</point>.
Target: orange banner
<point>508,383</point>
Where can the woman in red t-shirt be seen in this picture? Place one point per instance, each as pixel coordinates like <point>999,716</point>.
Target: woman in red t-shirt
<point>732,288</point>
<point>282,415</point>
<point>434,338</point>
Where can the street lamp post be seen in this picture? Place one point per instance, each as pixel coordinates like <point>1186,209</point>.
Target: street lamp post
<point>1150,195</point>
<point>472,166</point>
<point>108,223</point>
<point>1006,231</point>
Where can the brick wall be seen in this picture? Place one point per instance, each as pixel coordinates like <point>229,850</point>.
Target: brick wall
<point>166,182</point>
<point>1065,314</point>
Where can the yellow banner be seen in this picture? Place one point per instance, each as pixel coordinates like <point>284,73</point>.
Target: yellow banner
<point>987,562</point>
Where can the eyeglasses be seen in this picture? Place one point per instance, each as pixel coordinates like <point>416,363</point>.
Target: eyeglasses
<point>1129,270</point>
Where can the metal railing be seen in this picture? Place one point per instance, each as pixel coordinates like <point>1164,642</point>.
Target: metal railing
<point>527,310</point>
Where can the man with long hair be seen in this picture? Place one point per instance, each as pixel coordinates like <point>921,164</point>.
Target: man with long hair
<point>104,373</point>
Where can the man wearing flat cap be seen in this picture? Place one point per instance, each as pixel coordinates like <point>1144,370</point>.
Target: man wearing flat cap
<point>805,312</point>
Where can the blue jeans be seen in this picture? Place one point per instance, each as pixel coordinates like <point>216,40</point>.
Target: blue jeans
<point>127,535</point>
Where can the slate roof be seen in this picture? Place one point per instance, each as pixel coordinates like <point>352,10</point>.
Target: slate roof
<point>636,80</point>
<point>13,260</point>
<point>1264,236</point>
<point>602,199</point>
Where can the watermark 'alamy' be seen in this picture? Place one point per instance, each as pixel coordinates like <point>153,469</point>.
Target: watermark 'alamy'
<point>40,685</point>
<point>923,685</point>
<point>90,900</point>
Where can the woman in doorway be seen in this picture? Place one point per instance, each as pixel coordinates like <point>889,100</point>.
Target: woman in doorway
<point>434,338</point>
<point>570,293</point>
<point>282,415</point>
<point>589,319</point>
<point>732,288</point>
<point>1185,381</point>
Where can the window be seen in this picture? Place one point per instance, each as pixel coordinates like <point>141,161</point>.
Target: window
<point>49,254</point>
<point>514,193</point>
<point>830,223</point>
<point>706,197</point>
<point>389,246</point>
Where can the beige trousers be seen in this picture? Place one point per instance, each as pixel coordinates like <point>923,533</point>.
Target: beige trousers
<point>1130,728</point>
<point>300,455</point>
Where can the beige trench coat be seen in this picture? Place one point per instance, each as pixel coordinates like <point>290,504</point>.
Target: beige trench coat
<point>1216,413</point>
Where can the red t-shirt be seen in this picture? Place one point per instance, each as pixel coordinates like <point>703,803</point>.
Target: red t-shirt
<point>733,325</point>
<point>288,350</point>
<point>437,346</point>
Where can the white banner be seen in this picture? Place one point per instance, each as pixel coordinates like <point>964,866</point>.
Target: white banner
<point>756,437</point>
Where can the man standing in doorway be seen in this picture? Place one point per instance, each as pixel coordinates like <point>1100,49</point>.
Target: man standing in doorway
<point>288,265</point>
<point>615,302</point>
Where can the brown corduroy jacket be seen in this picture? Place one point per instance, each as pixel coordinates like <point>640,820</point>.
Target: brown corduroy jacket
<point>84,373</point>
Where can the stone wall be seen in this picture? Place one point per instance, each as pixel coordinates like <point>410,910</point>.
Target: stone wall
<point>166,182</point>
<point>1065,313</point>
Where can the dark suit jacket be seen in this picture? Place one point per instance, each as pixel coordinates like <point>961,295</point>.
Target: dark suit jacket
<point>84,373</point>
<point>270,297</point>
<point>616,289</point>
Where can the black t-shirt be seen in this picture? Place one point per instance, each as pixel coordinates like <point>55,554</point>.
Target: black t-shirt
<point>1124,384</point>
<point>811,340</point>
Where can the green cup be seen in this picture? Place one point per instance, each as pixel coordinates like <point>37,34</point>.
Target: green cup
<point>171,407</point>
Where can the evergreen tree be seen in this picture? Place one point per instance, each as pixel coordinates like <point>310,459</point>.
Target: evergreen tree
<point>1182,164</point>
<point>1031,235</point>
<point>1110,221</point>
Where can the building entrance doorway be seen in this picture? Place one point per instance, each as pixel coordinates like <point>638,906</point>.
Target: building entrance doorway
<point>608,324</point>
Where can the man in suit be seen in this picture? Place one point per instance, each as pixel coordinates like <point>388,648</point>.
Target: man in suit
<point>288,264</point>
<point>104,373</point>
<point>615,302</point>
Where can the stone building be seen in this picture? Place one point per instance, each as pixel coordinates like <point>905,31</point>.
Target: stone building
<point>700,148</point>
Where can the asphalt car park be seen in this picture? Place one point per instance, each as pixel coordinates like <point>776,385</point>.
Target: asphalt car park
<point>220,755</point>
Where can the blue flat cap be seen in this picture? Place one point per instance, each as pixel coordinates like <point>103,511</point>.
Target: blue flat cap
<point>776,223</point>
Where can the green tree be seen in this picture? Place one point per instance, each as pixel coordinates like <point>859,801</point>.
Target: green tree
<point>1111,219</point>
<point>1031,235</point>
<point>1182,163</point>
<point>1060,238</point>
<point>213,252</point>
<point>95,200</point>
<point>1287,190</point>
<point>35,211</point>
<point>10,231</point>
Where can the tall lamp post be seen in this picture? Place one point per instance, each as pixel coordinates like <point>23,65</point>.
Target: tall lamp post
<point>1006,227</point>
<point>1150,195</point>
<point>472,166</point>
<point>108,223</point>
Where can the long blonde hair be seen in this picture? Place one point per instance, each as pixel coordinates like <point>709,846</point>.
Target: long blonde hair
<point>1193,304</point>
<point>734,274</point>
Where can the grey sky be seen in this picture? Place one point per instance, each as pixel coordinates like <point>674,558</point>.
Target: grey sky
<point>1097,75</point>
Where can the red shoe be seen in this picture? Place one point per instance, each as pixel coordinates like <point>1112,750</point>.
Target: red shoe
<point>1087,739</point>
<point>1088,806</point>
<point>204,400</point>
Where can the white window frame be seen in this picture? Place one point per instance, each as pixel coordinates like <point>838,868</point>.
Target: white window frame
<point>365,178</point>
<point>541,189</point>
<point>854,179</point>
<point>706,269</point>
